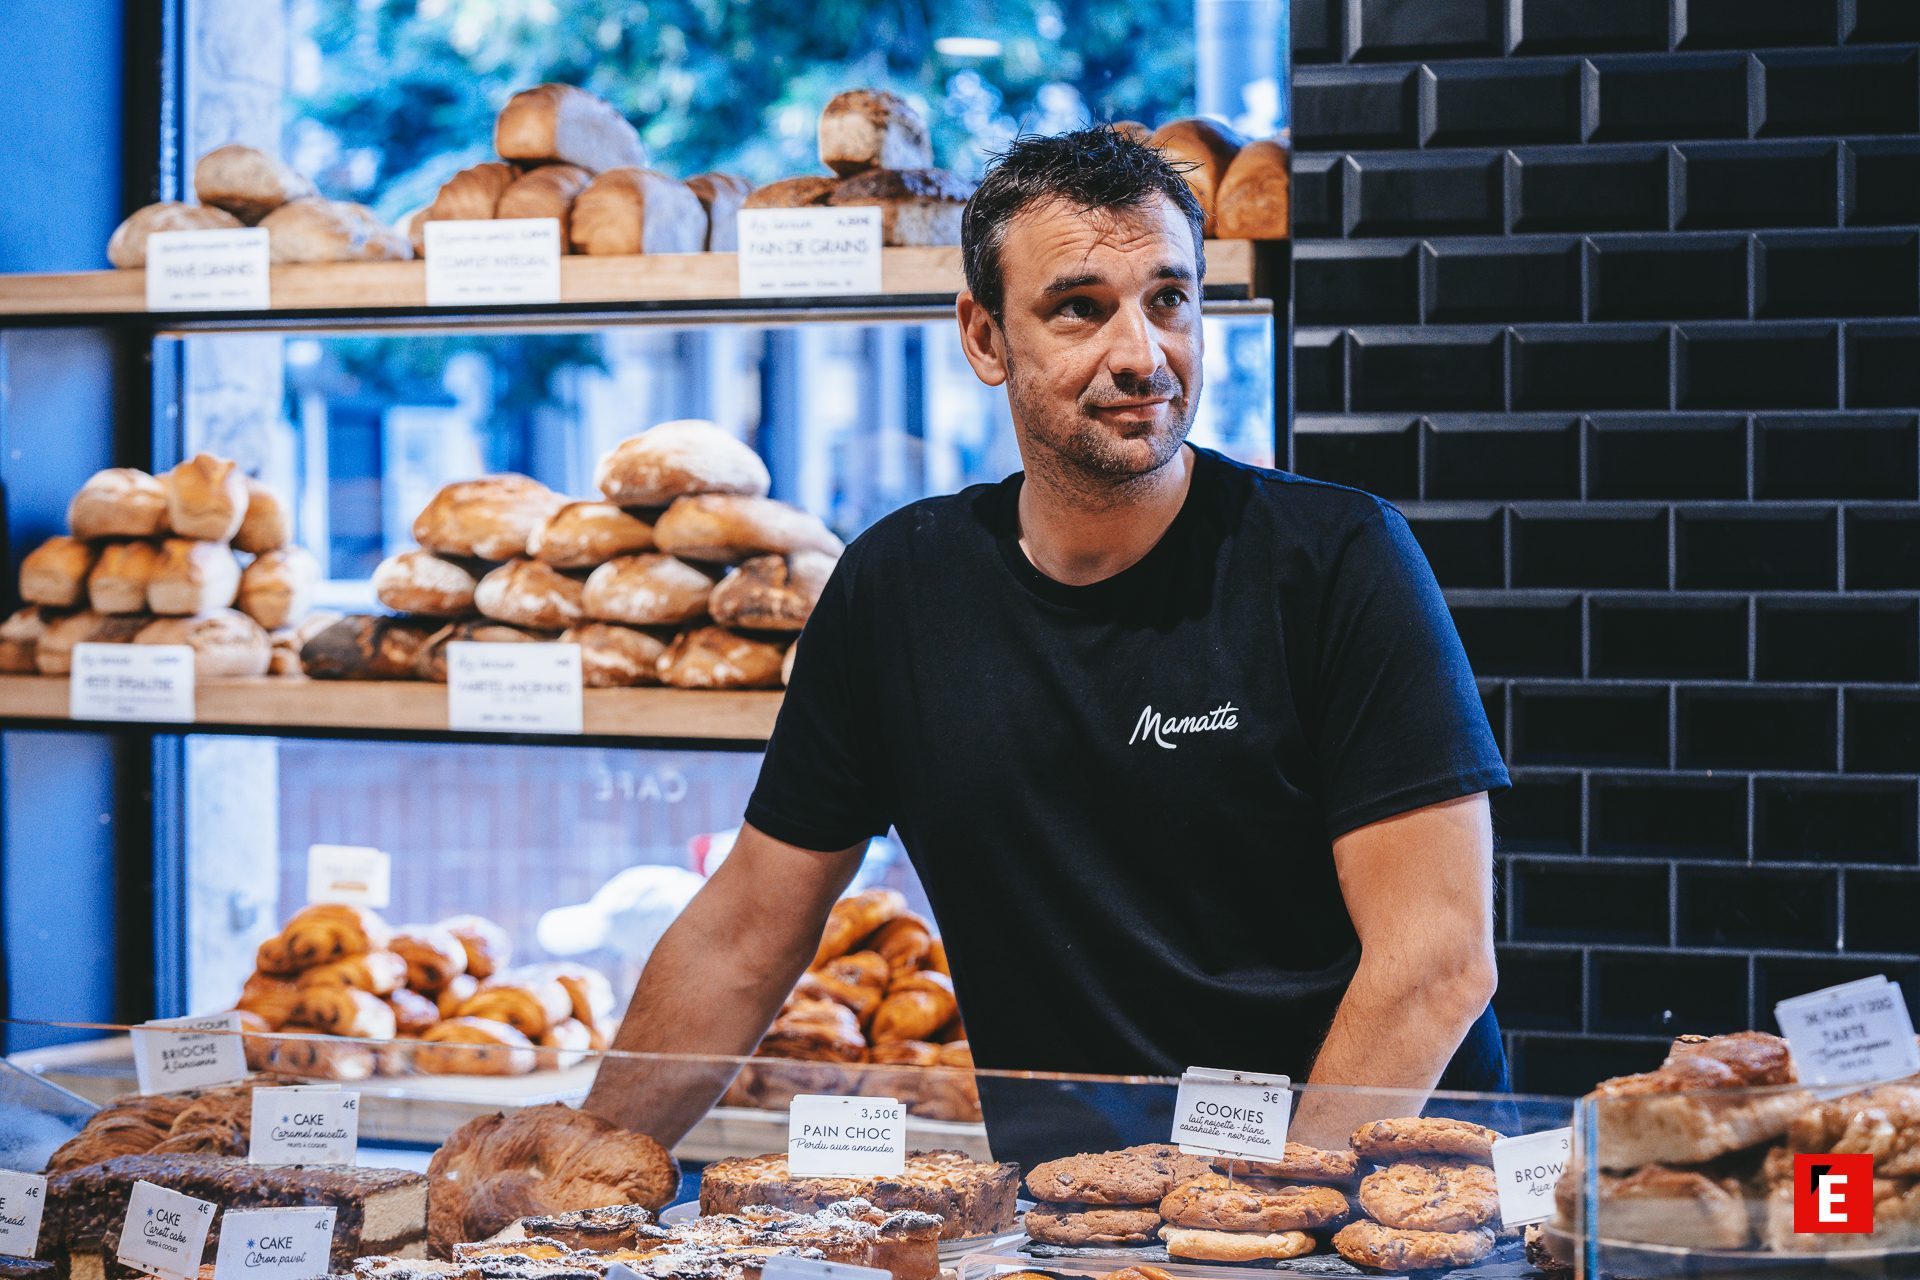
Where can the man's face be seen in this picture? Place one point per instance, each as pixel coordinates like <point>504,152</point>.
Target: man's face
<point>1102,336</point>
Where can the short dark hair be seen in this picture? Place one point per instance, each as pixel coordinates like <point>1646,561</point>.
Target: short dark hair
<point>1093,168</point>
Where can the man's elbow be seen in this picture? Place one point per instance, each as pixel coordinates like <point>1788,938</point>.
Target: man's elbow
<point>1468,981</point>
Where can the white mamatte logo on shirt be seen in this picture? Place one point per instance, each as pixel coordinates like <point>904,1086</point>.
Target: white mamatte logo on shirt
<point>1152,725</point>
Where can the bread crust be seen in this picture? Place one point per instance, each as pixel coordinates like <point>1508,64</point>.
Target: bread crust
<point>247,182</point>
<point>715,658</point>
<point>675,459</point>
<point>546,192</point>
<point>1205,150</point>
<point>206,498</point>
<point>56,572</point>
<point>120,502</point>
<point>726,528</point>
<point>317,230</point>
<point>628,211</point>
<point>472,194</point>
<point>613,656</point>
<point>528,593</point>
<point>486,519</point>
<point>650,589</point>
<point>584,535</point>
<point>561,123</point>
<point>792,193</point>
<point>1253,201</point>
<point>225,642</point>
<point>277,589</point>
<point>267,525</point>
<point>127,249</point>
<point>192,577</point>
<point>863,129</point>
<point>722,195</point>
<point>420,582</point>
<point>917,206</point>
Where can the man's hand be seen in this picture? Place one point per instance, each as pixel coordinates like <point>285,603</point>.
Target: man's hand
<point>716,980</point>
<point>1419,888</point>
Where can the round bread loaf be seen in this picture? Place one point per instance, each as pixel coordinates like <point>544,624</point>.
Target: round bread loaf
<point>528,593</point>
<point>771,593</point>
<point>277,589</point>
<point>421,582</point>
<point>118,583</point>
<point>267,526</point>
<point>120,502</point>
<point>1252,202</point>
<point>431,662</point>
<point>614,656</point>
<point>647,590</point>
<point>317,230</point>
<point>582,535</point>
<point>487,519</point>
<point>917,206</point>
<point>675,459</point>
<point>1203,149</point>
<point>863,129</point>
<point>193,577</point>
<point>715,658</point>
<point>206,498</point>
<point>55,572</point>
<point>128,246</point>
<point>225,642</point>
<point>247,182</point>
<point>724,528</point>
<point>792,193</point>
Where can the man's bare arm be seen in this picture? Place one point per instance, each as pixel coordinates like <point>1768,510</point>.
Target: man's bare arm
<point>716,980</point>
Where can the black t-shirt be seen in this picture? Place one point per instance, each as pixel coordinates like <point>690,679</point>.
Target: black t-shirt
<point>1121,798</point>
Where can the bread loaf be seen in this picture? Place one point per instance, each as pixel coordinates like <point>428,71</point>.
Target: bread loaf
<point>421,582</point>
<point>128,247</point>
<point>1252,202</point>
<point>725,528</point>
<point>917,206</point>
<point>1203,150</point>
<point>120,502</point>
<point>266,526</point>
<point>247,182</point>
<point>277,589</point>
<point>546,192</point>
<point>528,593</point>
<point>678,458</point>
<point>558,123</point>
<point>715,658</point>
<point>118,583</point>
<point>637,211</point>
<point>20,635</point>
<point>55,572</point>
<point>722,195</point>
<point>792,193</point>
<point>581,535</point>
<point>614,656</point>
<point>470,195</point>
<point>771,593</point>
<point>864,129</point>
<point>53,653</point>
<point>316,230</point>
<point>193,577</point>
<point>413,226</point>
<point>289,641</point>
<point>206,498</point>
<point>646,590</point>
<point>487,519</point>
<point>431,664</point>
<point>362,647</point>
<point>225,642</point>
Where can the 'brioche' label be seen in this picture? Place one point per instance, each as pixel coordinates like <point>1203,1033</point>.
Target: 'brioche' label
<point>1850,1034</point>
<point>514,688</point>
<point>354,874</point>
<point>493,262</point>
<point>165,1232</point>
<point>147,683</point>
<point>23,1197</point>
<point>275,1244</point>
<point>835,1137</point>
<point>221,270</point>
<point>304,1126</point>
<point>782,1266</point>
<point>1232,1113</point>
<point>188,1053</point>
<point>1525,1169</point>
<point>809,253</point>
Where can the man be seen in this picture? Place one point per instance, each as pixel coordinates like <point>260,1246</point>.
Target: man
<point>1186,753</point>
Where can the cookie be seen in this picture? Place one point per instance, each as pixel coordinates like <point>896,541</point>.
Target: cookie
<point>1141,1272</point>
<point>1234,1246</point>
<point>1384,1141</point>
<point>1431,1195</point>
<point>1215,1203</point>
<point>1129,1178</point>
<point>1084,1224</point>
<point>1299,1163</point>
<point>1368,1244</point>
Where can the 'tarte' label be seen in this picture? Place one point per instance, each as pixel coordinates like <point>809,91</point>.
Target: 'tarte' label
<point>836,1137</point>
<point>23,1197</point>
<point>168,1056</point>
<point>275,1244</point>
<point>165,1232</point>
<point>304,1126</point>
<point>1525,1169</point>
<point>1850,1034</point>
<point>1232,1113</point>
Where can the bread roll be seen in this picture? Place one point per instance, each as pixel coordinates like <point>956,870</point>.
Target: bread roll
<point>647,590</point>
<point>20,636</point>
<point>128,247</point>
<point>487,519</point>
<point>722,195</point>
<point>267,526</point>
<point>206,498</point>
<point>421,582</point>
<point>193,577</point>
<point>674,459</point>
<point>546,192</point>
<point>1203,150</point>
<point>225,642</point>
<point>1253,199</point>
<point>277,589</point>
<point>528,593</point>
<point>715,658</point>
<point>316,230</point>
<point>557,122</point>
<point>725,528</point>
<point>614,656</point>
<point>581,535</point>
<point>55,572</point>
<point>917,206</point>
<point>771,593</point>
<point>247,182</point>
<point>792,193</point>
<point>431,664</point>
<point>118,583</point>
<point>361,647</point>
<point>864,129</point>
<point>637,211</point>
<point>120,502</point>
<point>472,194</point>
<point>53,653</point>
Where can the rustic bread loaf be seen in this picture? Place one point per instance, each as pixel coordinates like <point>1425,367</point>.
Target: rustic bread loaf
<point>529,593</point>
<point>1203,149</point>
<point>488,519</point>
<point>128,247</point>
<point>558,123</point>
<point>1252,202</point>
<point>715,658</point>
<point>637,211</point>
<point>421,582</point>
<point>225,642</point>
<point>206,498</point>
<point>917,206</point>
<point>120,502</point>
<point>646,590</point>
<point>267,526</point>
<point>614,656</point>
<point>193,577</point>
<point>277,589</point>
<point>864,129</point>
<point>791,193</point>
<point>546,192</point>
<point>317,230</point>
<point>55,572</point>
<point>722,195</point>
<point>725,528</point>
<point>581,535</point>
<point>247,182</point>
<point>674,459</point>
<point>118,583</point>
<point>771,593</point>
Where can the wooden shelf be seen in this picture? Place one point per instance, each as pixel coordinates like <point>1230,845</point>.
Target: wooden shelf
<point>398,707</point>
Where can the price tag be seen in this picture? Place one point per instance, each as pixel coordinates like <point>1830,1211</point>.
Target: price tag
<point>275,1244</point>
<point>223,270</point>
<point>514,688</point>
<point>165,1233</point>
<point>1850,1034</point>
<point>836,1137</point>
<point>809,253</point>
<point>512,260</point>
<point>304,1126</point>
<point>1232,1113</point>
<point>349,873</point>
<point>1525,1169</point>
<point>23,1197</point>
<point>143,682</point>
<point>168,1056</point>
<point>784,1266</point>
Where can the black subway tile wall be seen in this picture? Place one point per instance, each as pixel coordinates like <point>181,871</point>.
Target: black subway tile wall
<point>1620,303</point>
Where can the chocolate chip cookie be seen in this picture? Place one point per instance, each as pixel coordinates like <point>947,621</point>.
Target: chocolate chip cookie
<point>1215,1203</point>
<point>1299,1163</point>
<point>1085,1224</point>
<point>1130,1177</point>
<point>1234,1246</point>
<point>1431,1195</point>
<point>1368,1244</point>
<point>1384,1141</point>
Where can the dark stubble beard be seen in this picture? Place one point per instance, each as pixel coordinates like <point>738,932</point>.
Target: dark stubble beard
<point>1074,450</point>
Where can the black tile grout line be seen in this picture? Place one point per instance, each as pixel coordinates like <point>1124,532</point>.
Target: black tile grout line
<point>1756,94</point>
<point>1840,909</point>
<point>1567,58</point>
<point>1840,727</point>
<point>1753,819</point>
<point>1828,870</point>
<point>1673,906</point>
<point>1673,726</point>
<point>1713,952</point>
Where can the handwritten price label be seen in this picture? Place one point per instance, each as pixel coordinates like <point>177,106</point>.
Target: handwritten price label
<point>1850,1034</point>
<point>165,1232</point>
<point>304,1126</point>
<point>275,1244</point>
<point>832,1137</point>
<point>23,1198</point>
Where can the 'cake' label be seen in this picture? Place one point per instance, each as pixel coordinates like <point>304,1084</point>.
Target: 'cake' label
<point>1525,1169</point>
<point>169,1056</point>
<point>224,269</point>
<point>787,1267</point>
<point>304,1126</point>
<point>836,1137</point>
<point>514,688</point>
<point>147,683</point>
<point>23,1196</point>
<point>1232,1113</point>
<point>493,262</point>
<point>354,874</point>
<point>275,1244</point>
<point>809,253</point>
<point>165,1232</point>
<point>1850,1034</point>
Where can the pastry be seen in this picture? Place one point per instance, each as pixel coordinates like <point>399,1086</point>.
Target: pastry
<point>1202,150</point>
<point>472,194</point>
<point>1431,1195</point>
<point>421,582</point>
<point>1251,202</point>
<point>275,957</point>
<point>225,643</point>
<point>1299,1163</point>
<point>1896,1221</point>
<point>1540,1250</point>
<point>792,193</point>
<point>275,999</point>
<point>972,1198</point>
<point>596,1230</point>
<point>558,123</point>
<point>626,211</point>
<point>1086,1224</point>
<point>466,1046</point>
<point>346,1011</point>
<point>546,192</point>
<point>528,593</point>
<point>527,1002</point>
<point>715,658</point>
<point>586,987</point>
<point>457,992</point>
<point>267,526</point>
<point>916,1008</point>
<point>413,1014</point>
<point>1882,1122</point>
<point>434,957</point>
<point>247,182</point>
<point>904,943</point>
<point>845,982</point>
<point>118,581</point>
<point>367,648</point>
<point>863,129</point>
<point>307,1051</point>
<point>731,527</point>
<point>1669,1116</point>
<point>1132,1176</point>
<point>55,572</point>
<point>488,519</point>
<point>1384,1141</point>
<point>583,535</point>
<point>1657,1204</point>
<point>564,1045</point>
<point>1214,1202</point>
<point>328,931</point>
<point>20,638</point>
<point>855,917</point>
<point>317,230</point>
<point>646,590</point>
<point>192,577</point>
<point>277,589</point>
<point>380,972</point>
<point>1368,1244</point>
<point>771,593</point>
<point>1235,1246</point>
<point>917,206</point>
<point>675,459</point>
<point>723,195</point>
<point>120,502</point>
<point>486,943</point>
<point>616,657</point>
<point>815,1031</point>
<point>128,246</point>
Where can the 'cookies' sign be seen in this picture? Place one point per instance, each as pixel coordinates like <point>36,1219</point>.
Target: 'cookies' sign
<point>1232,1113</point>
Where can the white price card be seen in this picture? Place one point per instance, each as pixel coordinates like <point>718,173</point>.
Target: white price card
<point>151,683</point>
<point>188,1053</point>
<point>23,1197</point>
<point>514,688</point>
<point>809,253</point>
<point>275,1244</point>
<point>1232,1113</point>
<point>490,263</point>
<point>165,1232</point>
<point>784,1266</point>
<point>1525,1169</point>
<point>1850,1034</point>
<point>223,270</point>
<point>304,1126</point>
<point>349,873</point>
<point>837,1137</point>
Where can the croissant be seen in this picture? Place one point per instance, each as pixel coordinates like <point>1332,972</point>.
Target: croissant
<point>904,942</point>
<point>915,1009</point>
<point>907,1053</point>
<point>275,958</point>
<point>272,1000</point>
<point>587,988</point>
<point>565,1044</point>
<point>474,1047</point>
<point>815,1031</point>
<point>330,931</point>
<point>434,956</point>
<point>456,993</point>
<point>380,972</point>
<point>487,946</point>
<point>859,969</point>
<point>306,1055</point>
<point>347,1011</point>
<point>529,1005</point>
<point>413,1013</point>
<point>854,918</point>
